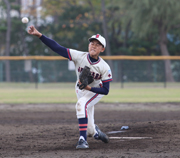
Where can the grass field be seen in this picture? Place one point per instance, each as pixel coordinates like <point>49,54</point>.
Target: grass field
<point>13,93</point>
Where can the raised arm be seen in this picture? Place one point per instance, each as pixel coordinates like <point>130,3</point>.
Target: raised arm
<point>50,43</point>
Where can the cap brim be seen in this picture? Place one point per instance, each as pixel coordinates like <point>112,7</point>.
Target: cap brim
<point>90,39</point>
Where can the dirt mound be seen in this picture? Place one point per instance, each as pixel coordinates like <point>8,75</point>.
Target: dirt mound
<point>51,131</point>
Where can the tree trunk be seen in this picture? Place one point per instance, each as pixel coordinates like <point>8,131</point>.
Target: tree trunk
<point>92,9</point>
<point>106,35</point>
<point>126,34</point>
<point>8,34</point>
<point>165,52</point>
<point>105,28</point>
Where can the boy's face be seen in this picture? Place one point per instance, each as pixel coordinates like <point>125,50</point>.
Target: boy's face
<point>95,48</point>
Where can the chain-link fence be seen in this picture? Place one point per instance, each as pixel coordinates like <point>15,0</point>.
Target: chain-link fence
<point>56,70</point>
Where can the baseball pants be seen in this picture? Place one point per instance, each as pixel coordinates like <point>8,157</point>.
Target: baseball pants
<point>85,107</point>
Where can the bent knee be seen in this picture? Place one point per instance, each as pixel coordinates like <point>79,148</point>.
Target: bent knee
<point>80,108</point>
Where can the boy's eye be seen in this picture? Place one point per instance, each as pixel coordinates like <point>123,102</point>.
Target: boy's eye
<point>95,44</point>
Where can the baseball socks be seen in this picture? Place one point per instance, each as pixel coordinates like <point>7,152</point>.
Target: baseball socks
<point>83,128</point>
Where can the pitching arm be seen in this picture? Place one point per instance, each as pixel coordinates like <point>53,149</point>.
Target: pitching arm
<point>55,46</point>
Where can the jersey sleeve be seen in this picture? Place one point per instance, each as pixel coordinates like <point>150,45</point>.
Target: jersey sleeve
<point>75,55</point>
<point>102,90</point>
<point>107,74</point>
<point>54,46</point>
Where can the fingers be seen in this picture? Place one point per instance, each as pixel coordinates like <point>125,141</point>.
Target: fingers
<point>31,29</point>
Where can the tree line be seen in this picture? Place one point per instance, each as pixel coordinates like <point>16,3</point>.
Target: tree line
<point>131,27</point>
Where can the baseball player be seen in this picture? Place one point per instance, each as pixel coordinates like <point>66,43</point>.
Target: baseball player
<point>92,93</point>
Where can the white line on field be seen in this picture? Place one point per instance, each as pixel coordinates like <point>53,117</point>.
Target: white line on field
<point>112,132</point>
<point>131,138</point>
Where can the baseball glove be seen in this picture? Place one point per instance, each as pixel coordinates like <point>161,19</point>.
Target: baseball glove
<point>85,77</point>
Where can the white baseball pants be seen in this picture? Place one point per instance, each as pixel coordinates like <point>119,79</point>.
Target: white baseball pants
<point>85,107</point>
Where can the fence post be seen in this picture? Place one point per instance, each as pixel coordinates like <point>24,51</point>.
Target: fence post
<point>1,71</point>
<point>121,69</point>
<point>164,75</point>
<point>36,74</point>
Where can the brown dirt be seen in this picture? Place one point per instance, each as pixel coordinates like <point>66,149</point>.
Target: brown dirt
<point>51,131</point>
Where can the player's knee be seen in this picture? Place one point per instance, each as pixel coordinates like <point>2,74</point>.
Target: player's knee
<point>80,109</point>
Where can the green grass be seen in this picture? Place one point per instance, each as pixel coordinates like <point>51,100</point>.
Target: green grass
<point>141,95</point>
<point>13,93</point>
<point>37,96</point>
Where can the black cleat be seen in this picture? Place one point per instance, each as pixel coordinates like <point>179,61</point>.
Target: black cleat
<point>101,136</point>
<point>82,144</point>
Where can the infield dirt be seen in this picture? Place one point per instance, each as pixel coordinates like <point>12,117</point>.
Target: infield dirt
<point>51,131</point>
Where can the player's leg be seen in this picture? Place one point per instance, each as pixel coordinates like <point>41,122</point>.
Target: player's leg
<point>93,129</point>
<point>82,120</point>
<point>85,115</point>
<point>91,126</point>
<point>86,99</point>
<point>92,99</point>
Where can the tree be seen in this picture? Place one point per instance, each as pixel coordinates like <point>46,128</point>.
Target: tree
<point>8,37</point>
<point>105,29</point>
<point>73,22</point>
<point>155,17</point>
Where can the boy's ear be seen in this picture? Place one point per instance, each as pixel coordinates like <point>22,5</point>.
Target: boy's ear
<point>103,49</point>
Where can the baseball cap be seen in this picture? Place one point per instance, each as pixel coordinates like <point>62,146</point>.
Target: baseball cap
<point>100,38</point>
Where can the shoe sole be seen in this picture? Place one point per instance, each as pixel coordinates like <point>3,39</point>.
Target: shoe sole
<point>82,147</point>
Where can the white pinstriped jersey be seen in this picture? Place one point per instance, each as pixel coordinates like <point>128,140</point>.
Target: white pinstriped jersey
<point>100,70</point>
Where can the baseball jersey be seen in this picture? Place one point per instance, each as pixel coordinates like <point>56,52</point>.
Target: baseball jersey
<point>100,70</point>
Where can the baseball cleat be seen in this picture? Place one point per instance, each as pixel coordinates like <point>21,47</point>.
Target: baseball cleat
<point>100,135</point>
<point>82,144</point>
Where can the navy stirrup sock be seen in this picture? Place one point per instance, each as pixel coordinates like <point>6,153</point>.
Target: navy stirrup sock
<point>83,127</point>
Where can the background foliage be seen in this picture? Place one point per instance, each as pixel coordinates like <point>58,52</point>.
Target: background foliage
<point>131,27</point>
